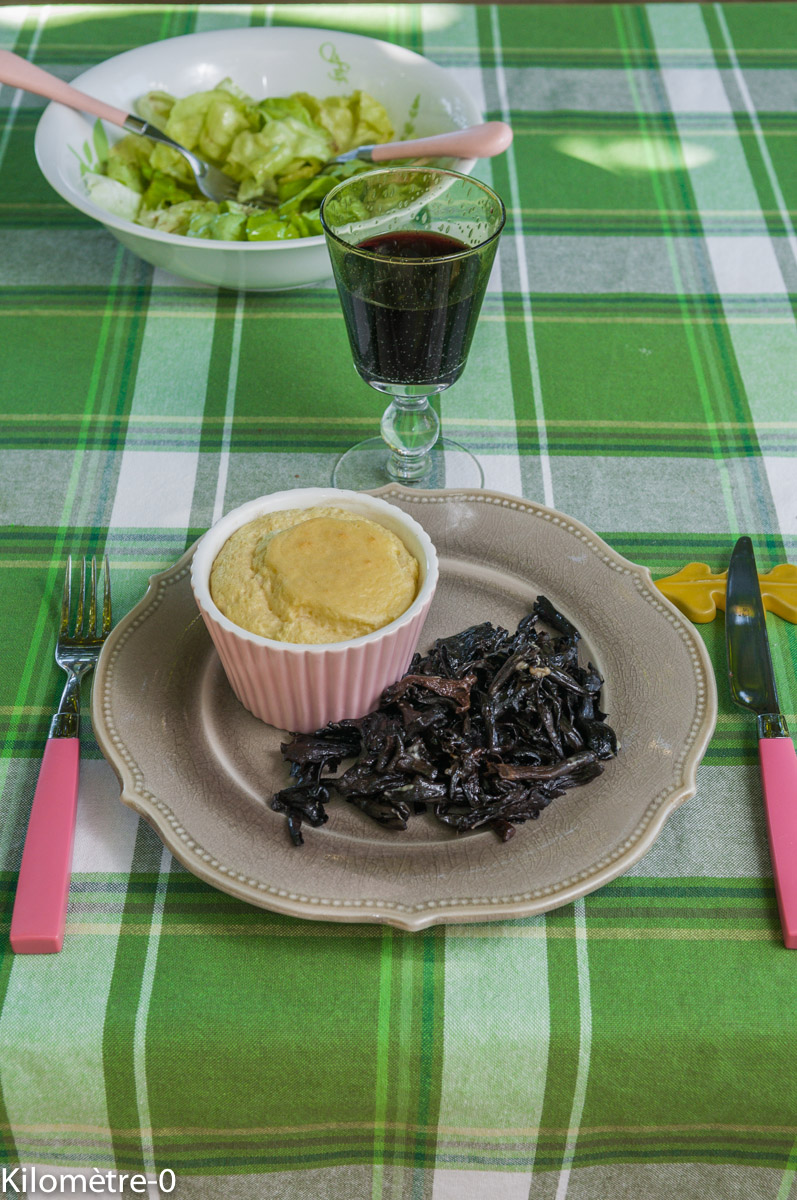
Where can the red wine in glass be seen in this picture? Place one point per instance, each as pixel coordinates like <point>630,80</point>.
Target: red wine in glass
<point>411,306</point>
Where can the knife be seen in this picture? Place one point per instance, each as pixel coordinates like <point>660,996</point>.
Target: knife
<point>752,683</point>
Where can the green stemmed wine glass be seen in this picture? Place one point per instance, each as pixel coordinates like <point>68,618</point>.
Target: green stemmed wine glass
<point>411,251</point>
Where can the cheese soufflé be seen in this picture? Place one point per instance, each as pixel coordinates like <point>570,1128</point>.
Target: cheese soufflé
<point>313,575</point>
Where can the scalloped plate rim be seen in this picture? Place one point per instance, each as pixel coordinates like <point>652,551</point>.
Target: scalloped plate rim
<point>412,918</point>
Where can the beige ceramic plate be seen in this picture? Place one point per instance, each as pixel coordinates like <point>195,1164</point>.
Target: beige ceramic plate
<point>201,770</point>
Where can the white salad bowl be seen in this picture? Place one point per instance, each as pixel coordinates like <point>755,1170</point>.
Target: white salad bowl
<point>421,98</point>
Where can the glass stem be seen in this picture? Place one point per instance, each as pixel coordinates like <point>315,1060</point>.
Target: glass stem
<point>410,427</point>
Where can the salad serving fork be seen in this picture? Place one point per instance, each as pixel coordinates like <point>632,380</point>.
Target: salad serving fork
<point>18,72</point>
<point>478,141</point>
<point>39,916</point>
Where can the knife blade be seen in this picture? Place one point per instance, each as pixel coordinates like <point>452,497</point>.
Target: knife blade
<point>752,683</point>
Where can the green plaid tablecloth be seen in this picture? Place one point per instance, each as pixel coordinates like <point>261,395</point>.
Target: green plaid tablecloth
<point>635,366</point>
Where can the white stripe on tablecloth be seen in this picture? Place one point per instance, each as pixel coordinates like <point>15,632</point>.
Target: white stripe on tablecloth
<point>226,16</point>
<point>173,364</point>
<point>784,1191</point>
<point>523,271</point>
<point>763,148</point>
<point>740,264</point>
<point>780,471</point>
<point>229,409</point>
<point>584,1047</point>
<point>155,488</point>
<point>230,16</point>
<point>51,1043</point>
<point>105,833</point>
<point>483,983</point>
<point>689,276</point>
<point>468,396</point>
<point>55,1003</point>
<point>481,1185</point>
<point>142,1015</point>
<point>12,19</point>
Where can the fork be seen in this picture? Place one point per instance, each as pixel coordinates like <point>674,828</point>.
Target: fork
<point>18,72</point>
<point>39,916</point>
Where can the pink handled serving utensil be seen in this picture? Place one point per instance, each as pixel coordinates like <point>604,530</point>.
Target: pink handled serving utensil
<point>19,73</point>
<point>752,683</point>
<point>39,916</point>
<point>477,141</point>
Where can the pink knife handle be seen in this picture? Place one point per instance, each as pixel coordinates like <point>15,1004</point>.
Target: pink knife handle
<point>39,917</point>
<point>18,72</point>
<point>480,141</point>
<point>779,775</point>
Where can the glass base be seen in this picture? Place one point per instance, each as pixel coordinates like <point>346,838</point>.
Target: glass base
<point>365,466</point>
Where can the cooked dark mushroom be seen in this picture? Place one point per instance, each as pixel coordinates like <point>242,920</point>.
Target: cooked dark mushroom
<point>484,731</point>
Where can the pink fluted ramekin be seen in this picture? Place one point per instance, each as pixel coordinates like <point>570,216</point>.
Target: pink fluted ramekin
<point>302,687</point>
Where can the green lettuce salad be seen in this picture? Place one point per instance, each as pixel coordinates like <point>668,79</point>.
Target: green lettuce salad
<point>274,149</point>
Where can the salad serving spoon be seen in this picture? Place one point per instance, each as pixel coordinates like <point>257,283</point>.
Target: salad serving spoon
<point>479,141</point>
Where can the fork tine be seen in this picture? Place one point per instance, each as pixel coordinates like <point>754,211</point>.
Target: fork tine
<point>91,624</point>
<point>66,599</point>
<point>106,600</point>
<point>79,618</point>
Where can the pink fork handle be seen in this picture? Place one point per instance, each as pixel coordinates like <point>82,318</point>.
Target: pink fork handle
<point>480,141</point>
<point>779,776</point>
<point>39,917</point>
<point>18,72</point>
